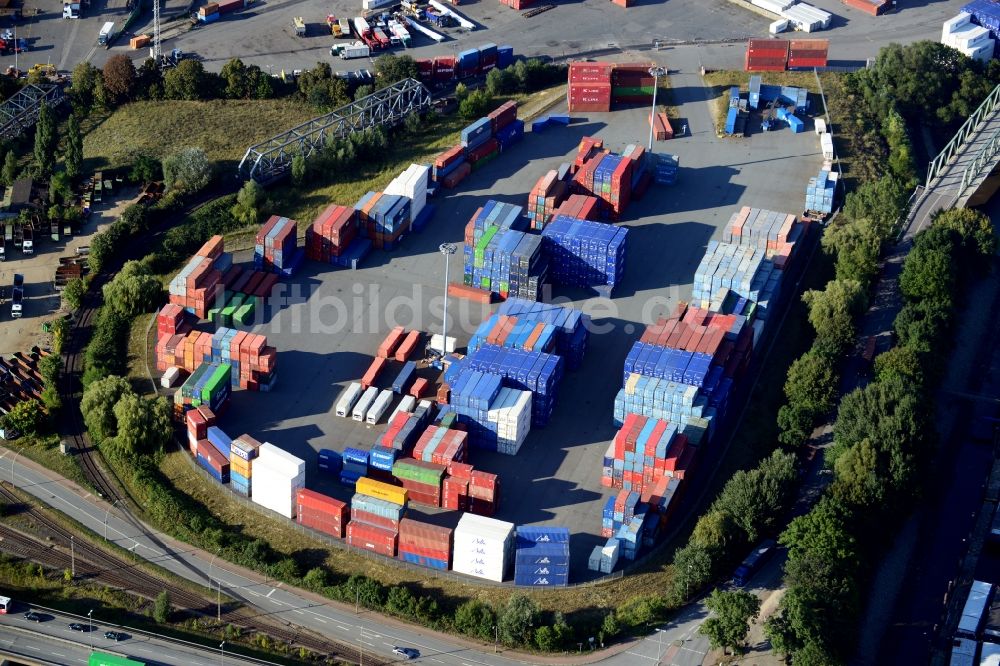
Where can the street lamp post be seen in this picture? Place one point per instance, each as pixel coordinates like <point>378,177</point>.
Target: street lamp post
<point>222,653</point>
<point>656,73</point>
<point>447,249</point>
<point>659,644</point>
<point>12,461</point>
<point>90,628</point>
<point>496,638</point>
<point>361,646</point>
<point>218,603</point>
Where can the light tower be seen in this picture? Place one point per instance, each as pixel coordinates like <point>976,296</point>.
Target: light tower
<point>656,73</point>
<point>156,33</point>
<point>447,249</point>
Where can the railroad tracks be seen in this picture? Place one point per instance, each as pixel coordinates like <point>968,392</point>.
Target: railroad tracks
<point>93,563</point>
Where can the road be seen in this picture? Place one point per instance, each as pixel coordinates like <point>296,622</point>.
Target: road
<point>52,641</point>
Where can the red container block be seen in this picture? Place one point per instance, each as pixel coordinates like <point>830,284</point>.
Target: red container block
<point>483,150</point>
<point>420,387</point>
<point>212,249</point>
<point>196,425</point>
<point>422,493</point>
<point>518,4</point>
<point>391,342</point>
<point>320,512</point>
<point>226,6</point>
<point>503,116</point>
<point>468,293</point>
<point>375,539</point>
<point>452,180</point>
<point>589,97</point>
<point>407,346</point>
<point>214,457</point>
<point>459,470</point>
<point>449,156</point>
<point>873,7</point>
<point>374,370</point>
<point>424,539</point>
<point>444,68</point>
<point>359,516</point>
<point>591,72</point>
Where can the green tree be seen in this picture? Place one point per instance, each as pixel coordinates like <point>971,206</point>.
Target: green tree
<point>118,79</point>
<point>546,639</point>
<point>692,569</point>
<point>810,389</point>
<point>755,498</point>
<point>610,626</point>
<point>922,325</point>
<point>321,88</point>
<point>517,619</point>
<point>856,245</point>
<point>144,426</point>
<point>813,654</point>
<point>299,169</point>
<point>475,105</point>
<point>145,169</point>
<point>236,75</point>
<point>363,91</point>
<point>9,174</point>
<point>779,632</point>
<point>461,91</point>
<point>161,607</point>
<point>185,81</point>
<point>901,363</point>
<point>74,149</point>
<point>98,406</point>
<point>475,619</point>
<point>501,82</point>
<point>822,533</point>
<point>25,417</point>
<point>400,600</point>
<point>133,290</point>
<point>880,201</point>
<point>928,272</point>
<point>391,68</point>
<point>249,201</point>
<point>60,188</point>
<point>187,171</point>
<point>734,611</point>
<point>974,230</point>
<point>149,80</point>
<point>46,140</point>
<point>901,163</point>
<point>85,78</point>
<point>716,532</point>
<point>316,579</point>
<point>832,312</point>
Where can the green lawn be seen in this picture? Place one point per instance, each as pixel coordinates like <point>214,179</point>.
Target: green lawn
<point>223,128</point>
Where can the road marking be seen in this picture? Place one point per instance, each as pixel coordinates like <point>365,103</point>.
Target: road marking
<point>344,628</point>
<point>298,611</point>
<point>268,595</point>
<point>321,620</point>
<point>58,654</point>
<point>436,660</point>
<point>636,654</point>
<point>389,644</point>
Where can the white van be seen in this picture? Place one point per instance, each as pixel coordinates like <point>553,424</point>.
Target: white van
<point>364,403</point>
<point>347,400</point>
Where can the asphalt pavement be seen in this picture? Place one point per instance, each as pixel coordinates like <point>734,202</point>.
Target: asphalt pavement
<point>52,641</point>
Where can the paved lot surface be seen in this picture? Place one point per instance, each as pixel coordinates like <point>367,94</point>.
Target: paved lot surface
<point>556,478</point>
<point>263,34</point>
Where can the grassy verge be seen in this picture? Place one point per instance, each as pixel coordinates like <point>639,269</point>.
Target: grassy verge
<point>141,344</point>
<point>722,80</point>
<point>224,129</point>
<point>44,450</point>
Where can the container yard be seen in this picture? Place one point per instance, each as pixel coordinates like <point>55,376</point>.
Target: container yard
<point>370,459</point>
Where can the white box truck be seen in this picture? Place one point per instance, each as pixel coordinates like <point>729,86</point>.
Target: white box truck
<point>105,35</point>
<point>379,407</point>
<point>364,403</point>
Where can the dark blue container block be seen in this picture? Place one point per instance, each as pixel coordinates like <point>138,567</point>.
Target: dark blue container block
<point>537,372</point>
<point>584,253</point>
<point>571,325</point>
<point>329,461</point>
<point>405,377</point>
<point>505,56</point>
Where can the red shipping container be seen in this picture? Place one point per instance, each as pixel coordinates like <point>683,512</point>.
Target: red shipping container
<point>452,180</point>
<point>357,515</point>
<point>444,68</point>
<point>590,72</point>
<point>407,346</point>
<point>589,97</point>
<point>483,151</point>
<point>468,293</point>
<point>212,248</point>
<point>321,512</point>
<point>373,372</point>
<point>369,537</point>
<point>391,342</point>
<point>873,7</point>
<point>419,387</point>
<point>449,156</point>
<point>504,115</point>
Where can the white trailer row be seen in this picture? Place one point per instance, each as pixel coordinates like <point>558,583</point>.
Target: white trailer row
<point>371,405</point>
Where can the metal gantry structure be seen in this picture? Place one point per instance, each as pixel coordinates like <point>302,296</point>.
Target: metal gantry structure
<point>267,161</point>
<point>156,33</point>
<point>965,133</point>
<point>20,112</point>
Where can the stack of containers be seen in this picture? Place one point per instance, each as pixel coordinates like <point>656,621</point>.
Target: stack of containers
<point>974,30</point>
<point>355,465</point>
<point>383,218</point>
<point>517,4</point>
<point>743,271</point>
<point>608,177</point>
<point>514,333</point>
<point>426,545</point>
<point>242,452</point>
<point>643,452</point>
<point>541,556</point>
<point>666,169</point>
<point>571,326</point>
<point>480,146</point>
<point>505,56</point>
<point>198,421</point>
<point>487,58</point>
<point>214,460</point>
<point>326,514</point>
<point>278,476</point>
<point>510,417</point>
<point>329,461</point>
<point>604,558</point>
<point>777,234</point>
<point>510,134</point>
<point>873,7</point>
<point>448,167</point>
<point>537,372</point>
<point>199,283</point>
<point>331,233</point>
<point>455,487</point>
<point>445,68</point>
<point>499,257</point>
<point>208,385</point>
<point>442,444</point>
<point>636,532</point>
<point>412,184</point>
<point>483,547</point>
<point>631,83</point>
<point>808,53</point>
<point>585,254</point>
<point>766,55</point>
<point>590,86</point>
<point>254,364</point>
<point>820,191</point>
<point>422,480</point>
<point>580,206</point>
<point>376,509</point>
<point>484,493</point>
<point>209,13</point>
<point>276,248</point>
<point>547,194</point>
<point>498,419</point>
<point>467,63</point>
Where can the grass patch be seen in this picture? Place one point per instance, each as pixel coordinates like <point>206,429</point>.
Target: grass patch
<point>44,450</point>
<point>722,80</point>
<point>224,129</point>
<point>141,348</point>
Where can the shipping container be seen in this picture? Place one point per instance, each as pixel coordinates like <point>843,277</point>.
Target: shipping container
<point>347,400</point>
<point>873,7</point>
<point>364,403</point>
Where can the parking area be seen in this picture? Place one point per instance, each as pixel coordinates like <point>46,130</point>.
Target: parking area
<point>41,300</point>
<point>262,34</point>
<point>329,322</point>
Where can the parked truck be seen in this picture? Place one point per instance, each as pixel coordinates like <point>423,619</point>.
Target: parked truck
<point>71,9</point>
<point>104,37</point>
<point>753,562</point>
<point>27,240</point>
<point>17,297</point>
<point>349,51</point>
<point>299,24</point>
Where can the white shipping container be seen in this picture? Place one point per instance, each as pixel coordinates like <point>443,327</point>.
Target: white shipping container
<point>405,405</point>
<point>778,26</point>
<point>975,605</point>
<point>955,24</point>
<point>820,126</point>
<point>379,407</point>
<point>360,25</point>
<point>274,490</point>
<point>374,4</point>
<point>806,17</point>
<point>511,411</point>
<point>826,144</point>
<point>773,6</point>
<point>170,377</point>
<point>449,343</point>
<point>347,400</point>
<point>361,408</point>
<point>283,462</point>
<point>483,547</point>
<point>609,557</point>
<point>990,655</point>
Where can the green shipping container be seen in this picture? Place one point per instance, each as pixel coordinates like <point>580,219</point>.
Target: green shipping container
<point>187,388</point>
<point>103,659</point>
<point>448,420</point>
<point>219,379</point>
<point>405,470</point>
<point>244,314</point>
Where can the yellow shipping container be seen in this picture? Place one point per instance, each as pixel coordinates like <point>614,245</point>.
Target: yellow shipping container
<point>240,466</point>
<point>382,491</point>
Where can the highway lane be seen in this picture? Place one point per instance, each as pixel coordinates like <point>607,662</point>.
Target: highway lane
<point>53,641</point>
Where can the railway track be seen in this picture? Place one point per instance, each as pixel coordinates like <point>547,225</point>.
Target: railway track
<point>93,563</point>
